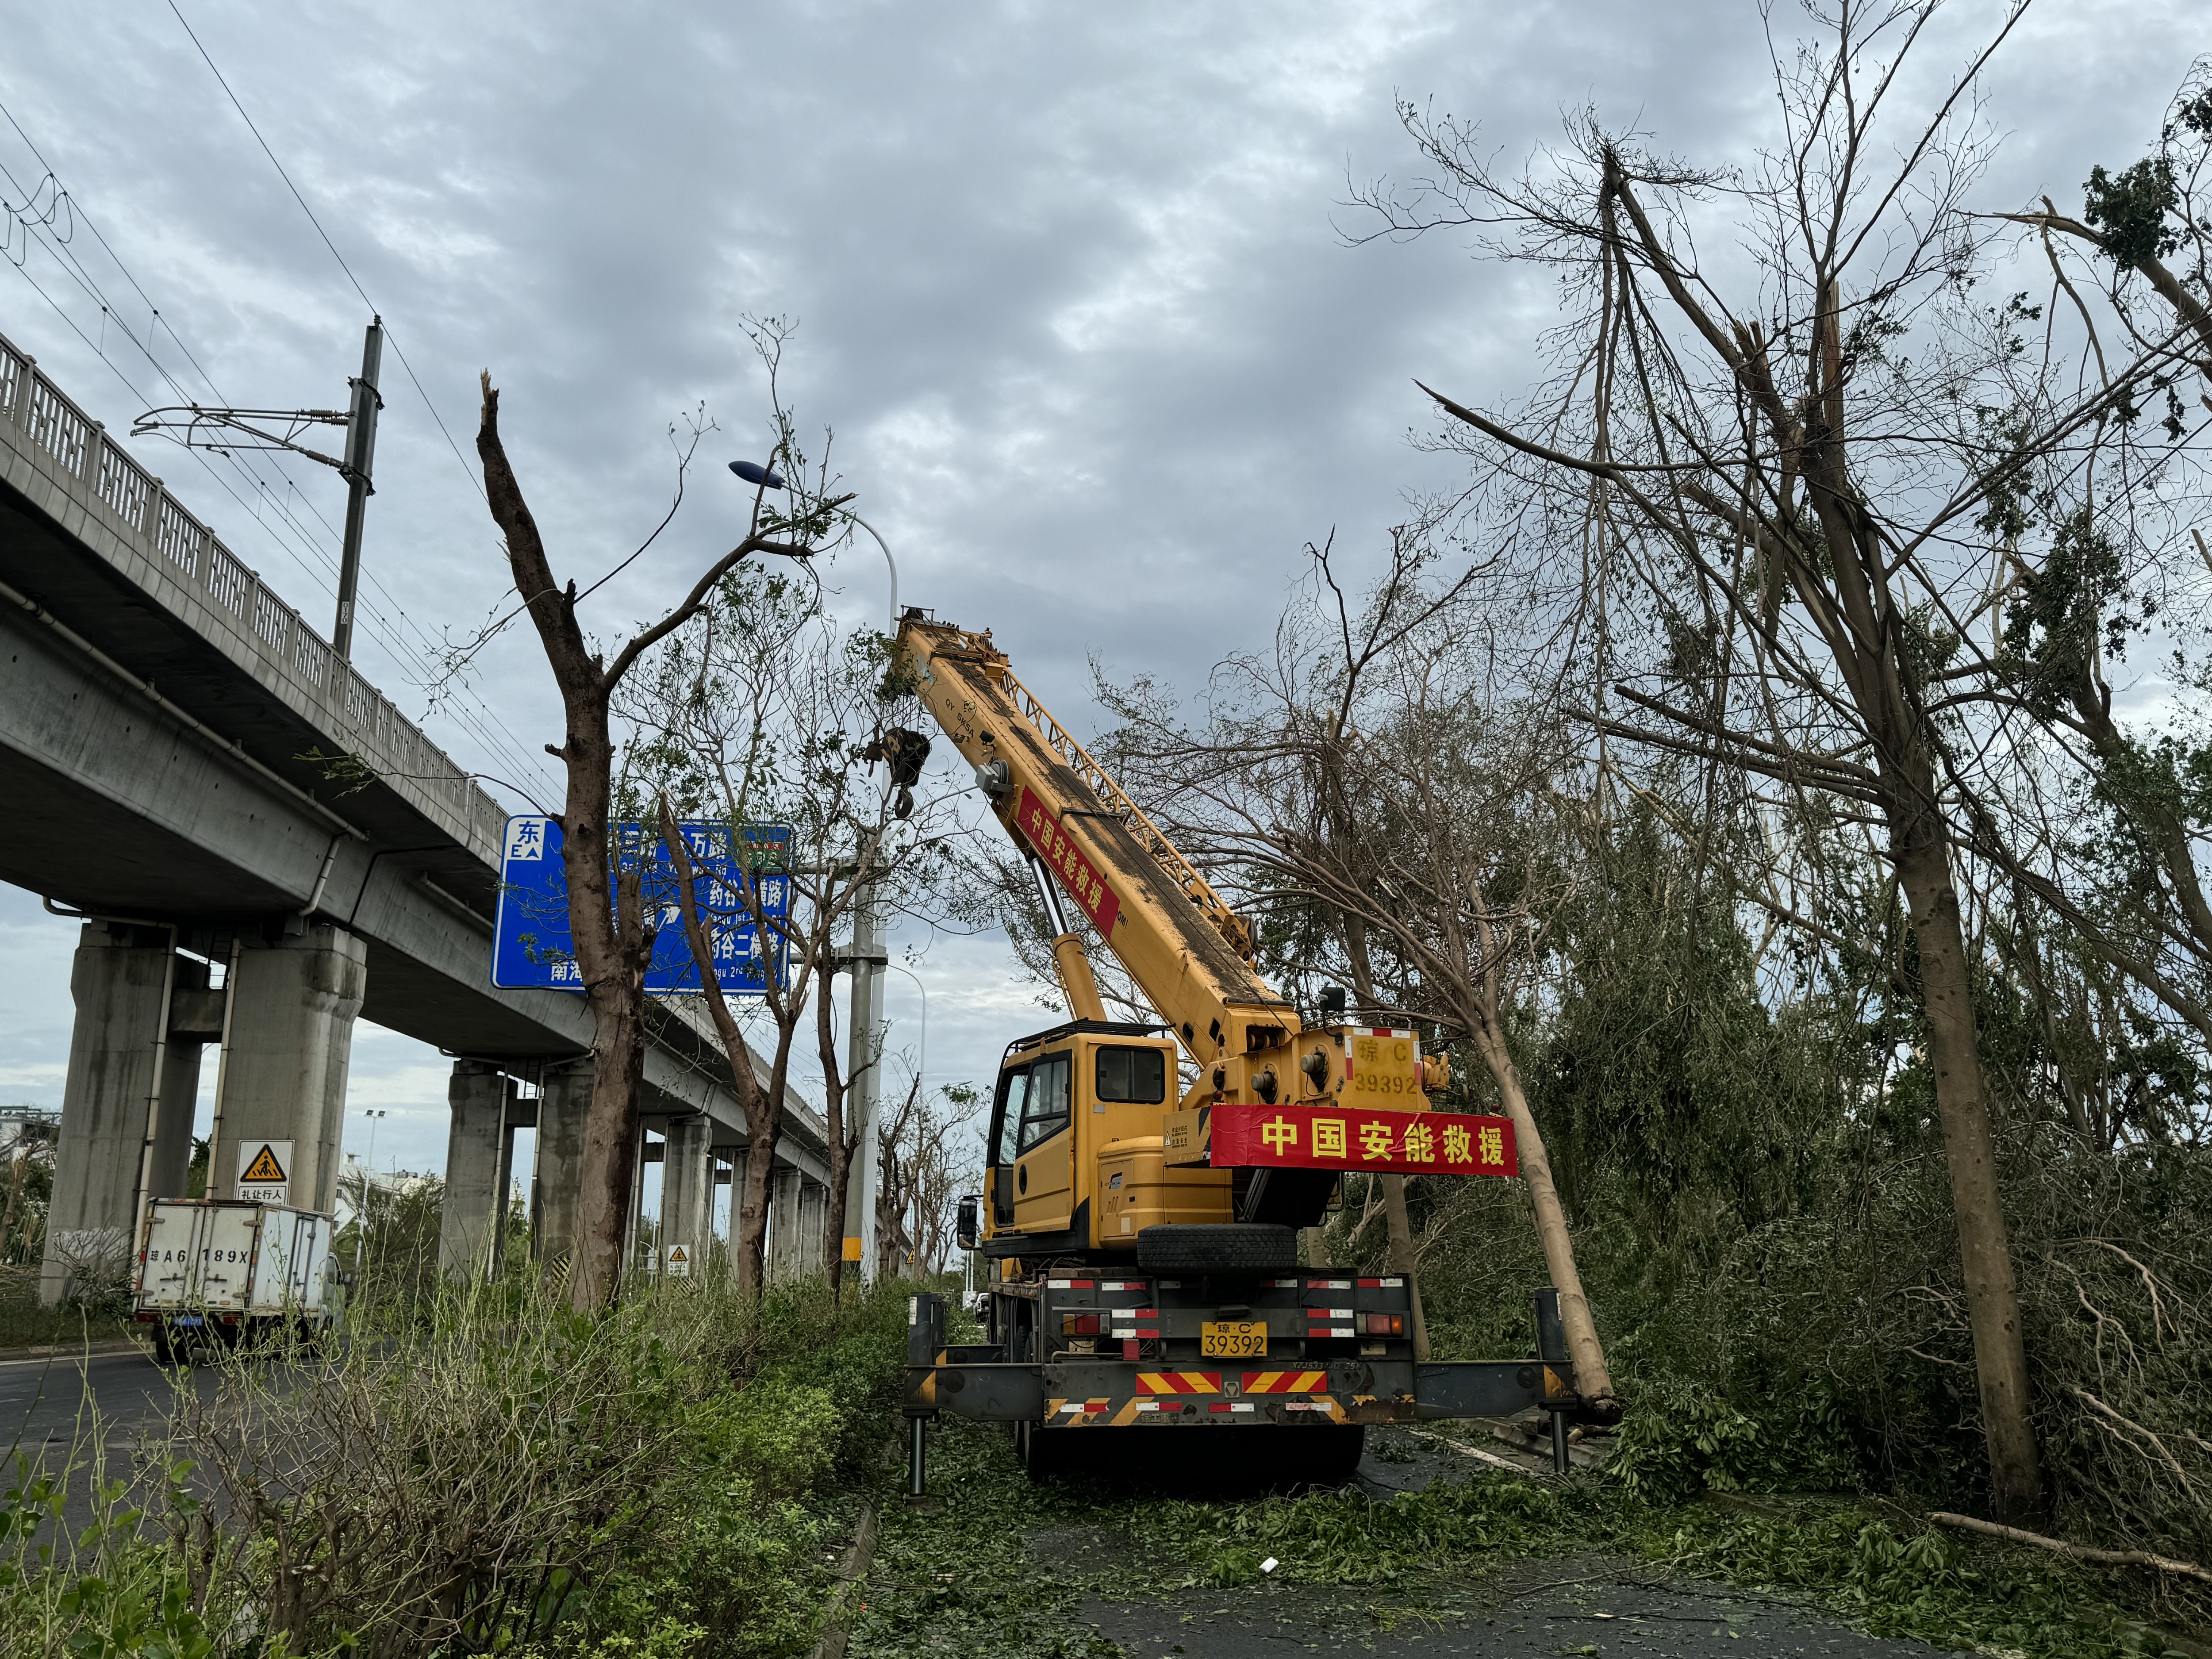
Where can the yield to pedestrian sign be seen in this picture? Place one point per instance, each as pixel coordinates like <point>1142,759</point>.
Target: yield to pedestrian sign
<point>264,1171</point>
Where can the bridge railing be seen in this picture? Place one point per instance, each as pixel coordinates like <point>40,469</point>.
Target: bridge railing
<point>135,505</point>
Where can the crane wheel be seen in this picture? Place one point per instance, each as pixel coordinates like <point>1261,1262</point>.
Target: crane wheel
<point>1326,1457</point>
<point>1246,1247</point>
<point>1044,1454</point>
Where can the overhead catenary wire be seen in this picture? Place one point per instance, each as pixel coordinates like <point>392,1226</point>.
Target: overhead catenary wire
<point>496,738</point>
<point>398,647</point>
<point>475,481</point>
<point>423,656</point>
<point>419,655</point>
<point>390,336</point>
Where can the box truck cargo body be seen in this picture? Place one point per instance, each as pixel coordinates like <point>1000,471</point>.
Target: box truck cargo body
<point>225,1271</point>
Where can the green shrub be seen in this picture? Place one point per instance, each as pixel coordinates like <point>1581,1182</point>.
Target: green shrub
<point>1680,1439</point>
<point>486,1473</point>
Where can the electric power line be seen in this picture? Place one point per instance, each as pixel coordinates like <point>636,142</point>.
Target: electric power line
<point>470,711</point>
<point>474,480</point>
<point>497,739</point>
<point>471,715</point>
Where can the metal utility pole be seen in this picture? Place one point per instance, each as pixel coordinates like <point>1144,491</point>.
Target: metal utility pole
<point>864,1044</point>
<point>226,430</point>
<point>864,1034</point>
<point>360,456</point>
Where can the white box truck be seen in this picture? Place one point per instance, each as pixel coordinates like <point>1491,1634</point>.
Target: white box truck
<point>224,1270</point>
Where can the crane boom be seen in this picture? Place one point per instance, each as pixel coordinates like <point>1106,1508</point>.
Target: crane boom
<point>1186,949</point>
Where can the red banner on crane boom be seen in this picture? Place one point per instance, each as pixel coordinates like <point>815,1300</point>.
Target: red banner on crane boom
<point>1076,872</point>
<point>1374,1139</point>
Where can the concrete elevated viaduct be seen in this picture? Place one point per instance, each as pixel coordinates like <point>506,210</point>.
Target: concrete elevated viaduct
<point>164,719</point>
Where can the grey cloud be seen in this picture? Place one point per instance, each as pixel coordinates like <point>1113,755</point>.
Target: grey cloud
<point>1072,288</point>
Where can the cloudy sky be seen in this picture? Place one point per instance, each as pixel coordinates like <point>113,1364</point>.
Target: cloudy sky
<point>1072,286</point>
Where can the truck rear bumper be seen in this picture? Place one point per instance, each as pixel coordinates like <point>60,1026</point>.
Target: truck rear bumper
<point>1074,1395</point>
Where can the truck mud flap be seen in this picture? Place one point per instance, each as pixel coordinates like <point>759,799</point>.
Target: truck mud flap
<point>1491,1387</point>
<point>989,1393</point>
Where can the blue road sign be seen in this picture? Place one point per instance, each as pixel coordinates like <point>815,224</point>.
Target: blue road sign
<point>533,949</point>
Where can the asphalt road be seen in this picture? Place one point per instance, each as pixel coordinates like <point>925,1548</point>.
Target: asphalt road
<point>60,1410</point>
<point>50,1400</point>
<point>1586,1606</point>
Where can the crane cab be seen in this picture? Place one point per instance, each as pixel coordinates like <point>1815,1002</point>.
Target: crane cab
<point>1076,1159</point>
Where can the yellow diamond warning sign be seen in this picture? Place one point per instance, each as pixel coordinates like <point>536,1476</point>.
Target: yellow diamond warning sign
<point>265,1167</point>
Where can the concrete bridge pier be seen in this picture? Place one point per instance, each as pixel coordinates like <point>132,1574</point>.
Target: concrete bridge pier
<point>116,980</point>
<point>813,1216</point>
<point>292,1012</point>
<point>687,1194</point>
<point>782,1226</point>
<point>478,1148</point>
<point>727,1180</point>
<point>564,1102</point>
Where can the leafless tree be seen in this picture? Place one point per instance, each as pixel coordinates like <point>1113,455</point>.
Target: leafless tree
<point>1767,515</point>
<point>926,1151</point>
<point>765,710</point>
<point>613,936</point>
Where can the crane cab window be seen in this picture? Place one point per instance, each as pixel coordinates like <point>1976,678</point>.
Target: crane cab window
<point>1006,1119</point>
<point>1044,1109</point>
<point>1139,1076</point>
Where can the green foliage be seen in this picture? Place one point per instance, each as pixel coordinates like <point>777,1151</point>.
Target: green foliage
<point>2076,604</point>
<point>1663,1073</point>
<point>1005,1570</point>
<point>779,1436</point>
<point>1681,1441</point>
<point>391,1251</point>
<point>741,1571</point>
<point>1910,1582</point>
<point>119,1587</point>
<point>490,1473</point>
<point>1763,1217</point>
<point>28,1322</point>
<point>2129,210</point>
<point>27,1182</point>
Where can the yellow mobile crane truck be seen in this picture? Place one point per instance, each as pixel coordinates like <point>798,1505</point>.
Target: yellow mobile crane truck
<point>1145,1235</point>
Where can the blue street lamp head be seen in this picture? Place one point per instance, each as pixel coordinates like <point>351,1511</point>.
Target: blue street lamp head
<point>753,474</point>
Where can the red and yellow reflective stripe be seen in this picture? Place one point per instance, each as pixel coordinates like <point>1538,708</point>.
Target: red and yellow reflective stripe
<point>1080,1411</point>
<point>1178,1381</point>
<point>1285,1382</point>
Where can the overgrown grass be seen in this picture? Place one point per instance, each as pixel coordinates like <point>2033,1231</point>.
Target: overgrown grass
<point>26,1323</point>
<point>972,1581</point>
<point>479,1473</point>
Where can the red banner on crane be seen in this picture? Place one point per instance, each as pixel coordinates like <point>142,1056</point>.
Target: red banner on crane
<point>1369,1137</point>
<point>1075,871</point>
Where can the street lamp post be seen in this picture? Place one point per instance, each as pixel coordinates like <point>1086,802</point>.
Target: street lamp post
<point>753,473</point>
<point>921,1054</point>
<point>864,1013</point>
<point>375,1118</point>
